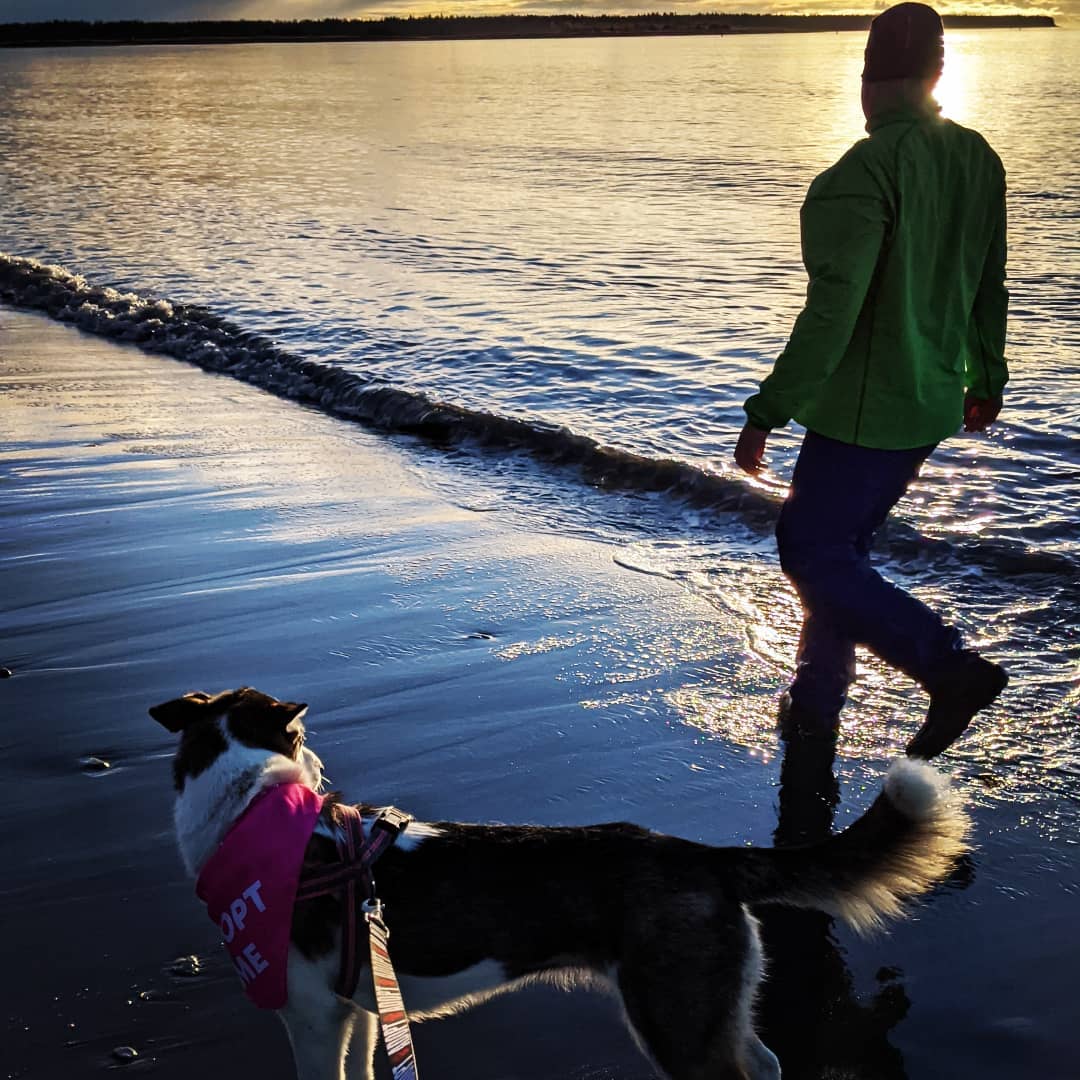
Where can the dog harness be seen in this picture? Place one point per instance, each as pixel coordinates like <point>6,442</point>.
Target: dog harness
<point>352,872</point>
<point>249,886</point>
<point>356,854</point>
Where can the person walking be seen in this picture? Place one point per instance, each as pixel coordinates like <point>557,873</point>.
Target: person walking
<point>901,340</point>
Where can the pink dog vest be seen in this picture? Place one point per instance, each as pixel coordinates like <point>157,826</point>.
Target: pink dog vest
<point>249,886</point>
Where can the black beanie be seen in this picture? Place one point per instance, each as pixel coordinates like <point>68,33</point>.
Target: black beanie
<point>906,42</point>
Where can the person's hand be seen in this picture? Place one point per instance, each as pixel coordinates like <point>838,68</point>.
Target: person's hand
<point>980,413</point>
<point>750,448</point>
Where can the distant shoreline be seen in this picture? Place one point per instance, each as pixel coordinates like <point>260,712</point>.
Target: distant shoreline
<point>65,33</point>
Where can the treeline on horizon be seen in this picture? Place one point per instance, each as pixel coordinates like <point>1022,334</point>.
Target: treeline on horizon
<point>135,32</point>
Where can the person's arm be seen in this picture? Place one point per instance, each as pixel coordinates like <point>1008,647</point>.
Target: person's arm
<point>844,219</point>
<point>987,370</point>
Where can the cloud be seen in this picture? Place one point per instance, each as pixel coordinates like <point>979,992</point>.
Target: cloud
<point>147,10</point>
<point>151,10</point>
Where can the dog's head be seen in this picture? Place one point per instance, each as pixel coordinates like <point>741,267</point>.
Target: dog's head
<point>210,725</point>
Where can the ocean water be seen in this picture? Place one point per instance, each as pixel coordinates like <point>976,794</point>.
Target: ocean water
<point>556,269</point>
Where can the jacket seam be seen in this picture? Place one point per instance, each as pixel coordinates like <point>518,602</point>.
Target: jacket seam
<point>871,297</point>
<point>865,376</point>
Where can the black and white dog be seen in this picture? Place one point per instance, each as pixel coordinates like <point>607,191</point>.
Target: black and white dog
<point>472,909</point>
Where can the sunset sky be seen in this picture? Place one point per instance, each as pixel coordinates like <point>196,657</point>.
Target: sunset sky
<point>34,10</point>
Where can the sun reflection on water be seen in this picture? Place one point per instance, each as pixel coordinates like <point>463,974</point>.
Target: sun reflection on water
<point>954,86</point>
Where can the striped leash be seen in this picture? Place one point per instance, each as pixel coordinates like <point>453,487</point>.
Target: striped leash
<point>357,854</point>
<point>393,1020</point>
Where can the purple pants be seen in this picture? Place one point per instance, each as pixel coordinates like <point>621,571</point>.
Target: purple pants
<point>840,495</point>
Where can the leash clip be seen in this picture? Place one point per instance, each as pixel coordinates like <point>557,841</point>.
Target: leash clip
<point>392,819</point>
<point>372,909</point>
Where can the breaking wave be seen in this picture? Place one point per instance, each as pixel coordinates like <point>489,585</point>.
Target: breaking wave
<point>196,334</point>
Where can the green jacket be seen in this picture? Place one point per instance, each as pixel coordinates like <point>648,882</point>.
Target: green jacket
<point>904,243</point>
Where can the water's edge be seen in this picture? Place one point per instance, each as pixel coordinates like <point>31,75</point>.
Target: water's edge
<point>197,335</point>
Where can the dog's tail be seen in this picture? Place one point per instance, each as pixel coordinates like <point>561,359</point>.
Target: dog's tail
<point>908,839</point>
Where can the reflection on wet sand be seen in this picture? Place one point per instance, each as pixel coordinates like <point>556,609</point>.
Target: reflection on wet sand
<point>809,1014</point>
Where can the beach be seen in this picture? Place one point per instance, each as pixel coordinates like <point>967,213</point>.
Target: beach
<point>402,378</point>
<point>165,530</point>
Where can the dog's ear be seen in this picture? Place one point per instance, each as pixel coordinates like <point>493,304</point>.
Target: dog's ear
<point>292,712</point>
<point>175,715</point>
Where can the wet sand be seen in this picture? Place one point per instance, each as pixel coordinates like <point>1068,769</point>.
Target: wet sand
<point>163,530</point>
